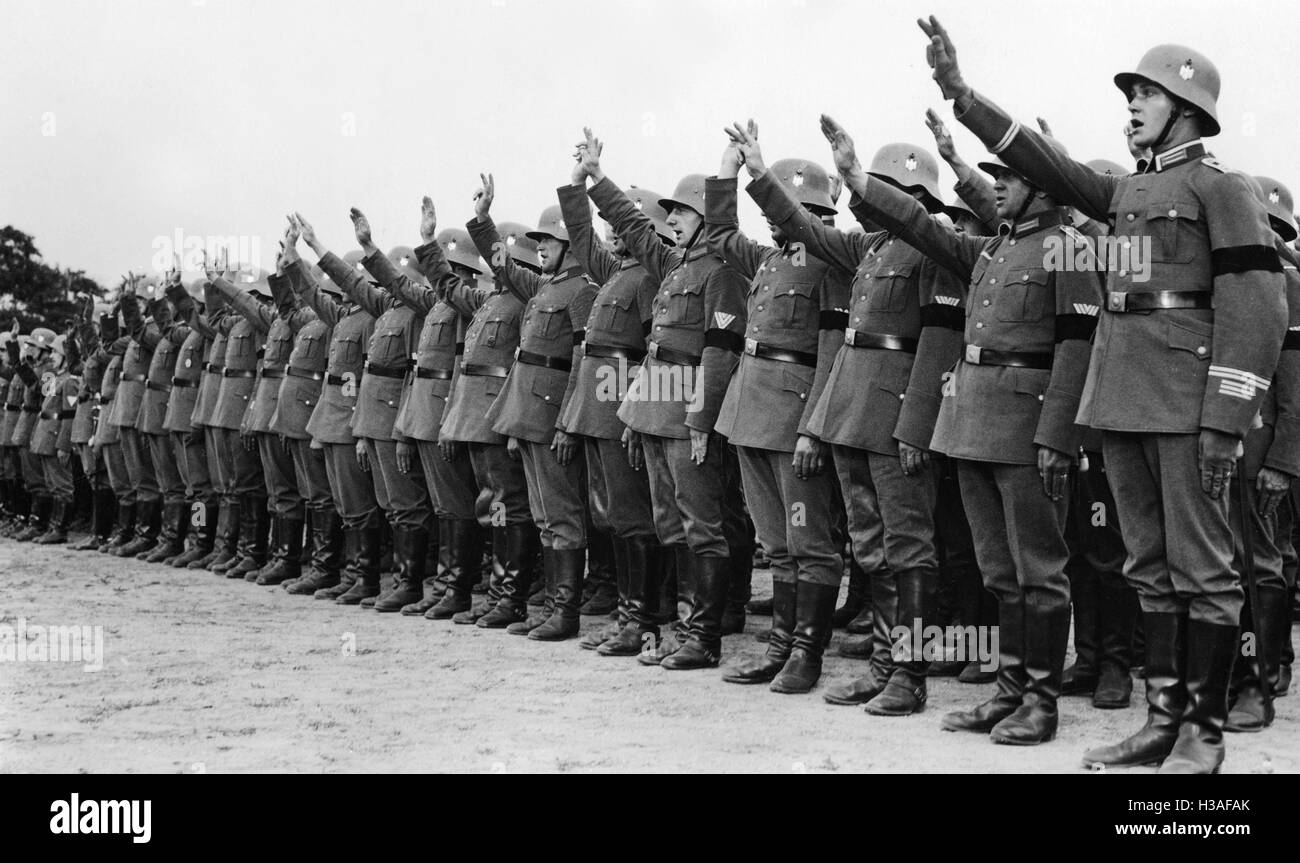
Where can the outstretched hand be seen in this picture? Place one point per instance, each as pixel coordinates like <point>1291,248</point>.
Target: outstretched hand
<point>588,155</point>
<point>483,197</point>
<point>428,220</point>
<point>361,227</point>
<point>843,151</point>
<point>942,137</point>
<point>942,57</point>
<point>746,140</point>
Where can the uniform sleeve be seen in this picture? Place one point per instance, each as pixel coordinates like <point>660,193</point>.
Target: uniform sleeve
<point>1027,152</point>
<point>374,300</point>
<point>1249,305</point>
<point>579,312</point>
<point>837,248</point>
<point>902,215</point>
<point>1078,296</point>
<point>833,320</point>
<point>519,281</point>
<point>722,228</point>
<point>724,315</point>
<point>1284,452</point>
<point>67,402</point>
<point>412,294</point>
<point>446,284</point>
<point>596,260</point>
<point>248,307</point>
<point>636,228</point>
<point>977,193</point>
<point>943,322</point>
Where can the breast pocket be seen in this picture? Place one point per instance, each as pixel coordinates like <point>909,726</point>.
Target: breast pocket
<point>686,304</point>
<point>1023,297</point>
<point>797,305</point>
<point>1173,225</point>
<point>280,347</point>
<point>551,322</point>
<point>500,330</point>
<point>347,350</point>
<point>389,345</point>
<point>311,346</point>
<point>611,312</point>
<point>889,288</point>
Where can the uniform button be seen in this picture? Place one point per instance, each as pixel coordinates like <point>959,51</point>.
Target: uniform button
<point>1024,277</point>
<point>791,292</point>
<point>993,281</point>
<point>1123,273</point>
<point>979,326</point>
<point>1040,398</point>
<point>986,302</point>
<point>857,320</point>
<point>1000,260</point>
<point>1012,243</point>
<point>1201,350</point>
<point>867,276</point>
<point>802,396</point>
<point>658,328</point>
<point>548,398</point>
<point>1173,213</point>
<point>760,308</point>
<point>766,288</point>
<point>891,272</point>
<point>890,243</point>
<point>900,397</point>
<point>1130,217</point>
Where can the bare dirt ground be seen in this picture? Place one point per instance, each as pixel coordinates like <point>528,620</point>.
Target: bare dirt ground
<point>205,674</point>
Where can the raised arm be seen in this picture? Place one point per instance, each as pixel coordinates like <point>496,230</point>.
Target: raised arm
<point>597,261</point>
<point>464,298</point>
<point>246,305</point>
<point>521,282</point>
<point>722,224</point>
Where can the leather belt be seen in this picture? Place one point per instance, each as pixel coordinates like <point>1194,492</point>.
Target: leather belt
<point>781,355</point>
<point>879,341</point>
<point>529,358</point>
<point>215,368</point>
<point>158,388</point>
<point>139,379</point>
<point>480,370</point>
<point>1146,301</point>
<point>14,408</point>
<point>182,383</point>
<point>28,409</point>
<point>293,371</point>
<point>272,374</point>
<point>632,355</point>
<point>239,373</point>
<point>433,374</point>
<point>336,380</point>
<point>82,398</point>
<point>385,371</point>
<point>1019,359</point>
<point>103,400</point>
<point>58,415</point>
<point>668,355</point>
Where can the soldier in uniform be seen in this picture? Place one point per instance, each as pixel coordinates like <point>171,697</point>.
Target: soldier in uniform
<point>51,440</point>
<point>490,340</point>
<point>17,501</point>
<point>109,345</point>
<point>1181,365</point>
<point>32,371</point>
<point>189,445</point>
<point>452,488</point>
<point>900,334</point>
<point>615,346</point>
<point>670,411</point>
<point>1269,466</point>
<point>94,363</point>
<point>558,303</point>
<point>795,322</point>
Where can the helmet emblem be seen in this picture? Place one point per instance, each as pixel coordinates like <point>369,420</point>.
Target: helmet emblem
<point>1186,71</point>
<point>1274,196</point>
<point>910,164</point>
<point>510,240</point>
<point>451,245</point>
<point>638,203</point>
<point>797,179</point>
<point>561,223</point>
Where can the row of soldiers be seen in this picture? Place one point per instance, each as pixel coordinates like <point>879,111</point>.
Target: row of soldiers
<point>935,391</point>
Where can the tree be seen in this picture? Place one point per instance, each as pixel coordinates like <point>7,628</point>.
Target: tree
<point>35,293</point>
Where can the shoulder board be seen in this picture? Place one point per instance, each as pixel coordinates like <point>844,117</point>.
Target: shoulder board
<point>1074,233</point>
<point>1211,162</point>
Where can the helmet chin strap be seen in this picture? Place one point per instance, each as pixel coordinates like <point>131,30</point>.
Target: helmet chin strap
<point>1169,127</point>
<point>695,236</point>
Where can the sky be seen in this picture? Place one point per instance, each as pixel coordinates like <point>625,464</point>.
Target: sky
<point>125,125</point>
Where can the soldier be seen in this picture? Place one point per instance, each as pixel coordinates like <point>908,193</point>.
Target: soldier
<point>900,334</point>
<point>795,322</point>
<point>1270,464</point>
<point>331,418</point>
<point>540,385</point>
<point>1182,362</point>
<point>94,364</point>
<point>33,370</point>
<point>126,416</point>
<point>10,487</point>
<point>618,494</point>
<point>670,411</point>
<point>189,444</point>
<point>51,440</point>
<point>240,480</point>
<point>300,392</point>
<point>110,346</point>
<point>490,338</point>
<point>452,488</point>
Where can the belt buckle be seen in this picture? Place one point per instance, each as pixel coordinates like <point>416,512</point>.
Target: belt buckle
<point>850,335</point>
<point>973,354</point>
<point>1117,301</point>
<point>517,352</point>
<point>751,347</point>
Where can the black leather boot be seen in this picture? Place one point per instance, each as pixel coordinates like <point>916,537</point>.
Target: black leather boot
<point>703,647</point>
<point>882,593</point>
<point>325,560</point>
<point>779,643</point>
<point>360,565</point>
<point>600,587</point>
<point>1118,616</point>
<point>878,649</point>
<point>739,590</point>
<point>287,565</point>
<point>39,521</point>
<point>104,506</point>
<point>411,548</point>
<point>856,599</point>
<point>224,539</point>
<point>644,571</point>
<point>570,565</point>
<point>1166,652</point>
<point>814,605</point>
<point>437,569</point>
<point>983,611</point>
<point>906,693</point>
<point>493,593</point>
<point>1047,632</point>
<point>677,595</point>
<point>56,531</point>
<point>123,528</point>
<point>1250,712</point>
<point>1085,601</point>
<point>596,637</point>
<point>254,521</point>
<point>171,536</point>
<point>274,547</point>
<point>539,614</point>
<point>1012,679</point>
<point>147,523</point>
<point>202,532</point>
<point>1211,651</point>
<point>520,541</point>
<point>464,557</point>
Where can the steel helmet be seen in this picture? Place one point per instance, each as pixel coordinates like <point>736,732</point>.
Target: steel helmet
<point>1186,74</point>
<point>1277,200</point>
<point>519,244</point>
<point>689,194</point>
<point>403,257</point>
<point>909,167</point>
<point>195,289</point>
<point>42,338</point>
<point>147,288</point>
<point>1106,166</point>
<point>649,203</point>
<point>550,224</point>
<point>354,258</point>
<point>808,182</point>
<point>459,249</point>
<point>958,210</point>
<point>60,345</point>
<point>253,280</point>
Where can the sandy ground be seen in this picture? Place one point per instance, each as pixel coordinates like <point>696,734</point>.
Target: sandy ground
<point>205,674</point>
